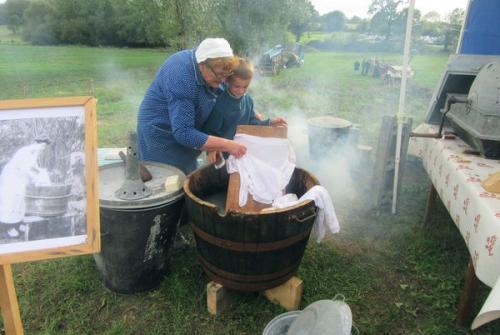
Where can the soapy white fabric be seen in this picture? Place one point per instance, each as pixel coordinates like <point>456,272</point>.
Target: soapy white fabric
<point>265,169</point>
<point>326,218</point>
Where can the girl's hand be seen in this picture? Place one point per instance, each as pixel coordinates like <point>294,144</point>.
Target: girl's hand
<point>211,156</point>
<point>279,121</point>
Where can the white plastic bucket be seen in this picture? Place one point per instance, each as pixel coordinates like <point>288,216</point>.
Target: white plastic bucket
<point>322,317</point>
<point>280,324</point>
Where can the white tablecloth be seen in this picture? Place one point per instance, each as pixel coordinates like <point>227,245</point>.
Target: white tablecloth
<point>457,178</point>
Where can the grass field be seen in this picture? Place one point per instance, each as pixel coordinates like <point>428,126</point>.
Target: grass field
<point>396,278</point>
<point>119,77</point>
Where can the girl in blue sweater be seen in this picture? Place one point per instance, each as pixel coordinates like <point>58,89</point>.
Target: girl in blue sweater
<point>234,107</point>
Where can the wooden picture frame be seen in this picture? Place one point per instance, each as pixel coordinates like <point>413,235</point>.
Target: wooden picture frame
<point>48,154</point>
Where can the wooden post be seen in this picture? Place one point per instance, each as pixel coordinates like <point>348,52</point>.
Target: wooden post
<point>429,207</point>
<point>8,301</point>
<point>468,297</point>
<point>385,165</point>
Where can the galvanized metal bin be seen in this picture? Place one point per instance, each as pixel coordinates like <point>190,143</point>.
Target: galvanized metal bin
<point>47,200</point>
<point>328,135</point>
<point>136,235</point>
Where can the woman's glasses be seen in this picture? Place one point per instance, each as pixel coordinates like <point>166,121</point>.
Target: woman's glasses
<point>219,76</point>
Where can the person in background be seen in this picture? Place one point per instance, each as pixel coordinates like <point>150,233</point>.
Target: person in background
<point>356,66</point>
<point>363,66</point>
<point>235,107</point>
<point>21,170</point>
<point>368,66</point>
<point>179,101</point>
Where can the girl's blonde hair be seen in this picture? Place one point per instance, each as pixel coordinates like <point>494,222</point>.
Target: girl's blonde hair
<point>226,64</point>
<point>244,68</point>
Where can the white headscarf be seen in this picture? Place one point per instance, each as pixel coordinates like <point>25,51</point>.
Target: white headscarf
<point>213,48</point>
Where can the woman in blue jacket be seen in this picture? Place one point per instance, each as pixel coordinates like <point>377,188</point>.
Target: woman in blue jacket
<point>179,101</point>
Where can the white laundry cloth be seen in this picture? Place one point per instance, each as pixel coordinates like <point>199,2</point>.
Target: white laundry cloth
<point>326,218</point>
<point>265,169</point>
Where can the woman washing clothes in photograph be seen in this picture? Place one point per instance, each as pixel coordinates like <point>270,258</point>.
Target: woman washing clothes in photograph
<point>21,170</point>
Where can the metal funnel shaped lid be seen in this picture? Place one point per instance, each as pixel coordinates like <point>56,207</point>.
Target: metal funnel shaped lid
<point>111,178</point>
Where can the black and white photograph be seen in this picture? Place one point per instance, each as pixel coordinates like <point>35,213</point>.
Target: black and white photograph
<point>42,178</point>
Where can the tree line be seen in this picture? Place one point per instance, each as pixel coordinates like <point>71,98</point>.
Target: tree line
<point>248,25</point>
<point>388,19</point>
<point>155,23</point>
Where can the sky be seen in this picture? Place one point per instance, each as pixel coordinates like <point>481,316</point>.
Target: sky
<point>360,7</point>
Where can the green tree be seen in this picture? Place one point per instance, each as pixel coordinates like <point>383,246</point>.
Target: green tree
<point>385,14</point>
<point>252,25</point>
<point>248,25</point>
<point>301,16</point>
<point>431,25</point>
<point>139,22</point>
<point>40,19</point>
<point>355,20</point>
<point>432,16</point>
<point>400,22</point>
<point>14,11</point>
<point>453,24</point>
<point>101,22</point>
<point>14,22</point>
<point>3,19</point>
<point>363,26</point>
<point>192,21</point>
<point>335,21</point>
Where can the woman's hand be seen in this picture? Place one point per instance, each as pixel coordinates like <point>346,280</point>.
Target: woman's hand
<point>236,149</point>
<point>279,121</point>
<point>224,145</point>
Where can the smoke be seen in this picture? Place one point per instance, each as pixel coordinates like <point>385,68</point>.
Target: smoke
<point>336,166</point>
<point>120,91</point>
<point>339,164</point>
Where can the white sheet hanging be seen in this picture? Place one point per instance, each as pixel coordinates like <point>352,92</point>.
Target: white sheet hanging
<point>265,169</point>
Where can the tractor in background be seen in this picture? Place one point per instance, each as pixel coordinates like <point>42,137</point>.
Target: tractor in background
<point>278,57</point>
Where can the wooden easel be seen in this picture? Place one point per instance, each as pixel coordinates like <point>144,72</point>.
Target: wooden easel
<point>87,107</point>
<point>233,188</point>
<point>8,301</point>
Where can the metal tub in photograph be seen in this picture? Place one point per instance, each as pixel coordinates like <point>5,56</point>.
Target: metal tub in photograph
<point>47,200</point>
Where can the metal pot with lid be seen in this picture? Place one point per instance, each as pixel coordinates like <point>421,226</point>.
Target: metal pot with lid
<point>327,135</point>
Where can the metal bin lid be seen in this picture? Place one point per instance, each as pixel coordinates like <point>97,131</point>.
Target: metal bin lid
<point>111,177</point>
<point>329,122</point>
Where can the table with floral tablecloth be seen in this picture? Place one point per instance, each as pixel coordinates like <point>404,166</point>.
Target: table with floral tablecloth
<point>457,177</point>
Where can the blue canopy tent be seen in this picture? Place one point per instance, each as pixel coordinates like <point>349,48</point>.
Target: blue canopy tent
<point>481,31</point>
